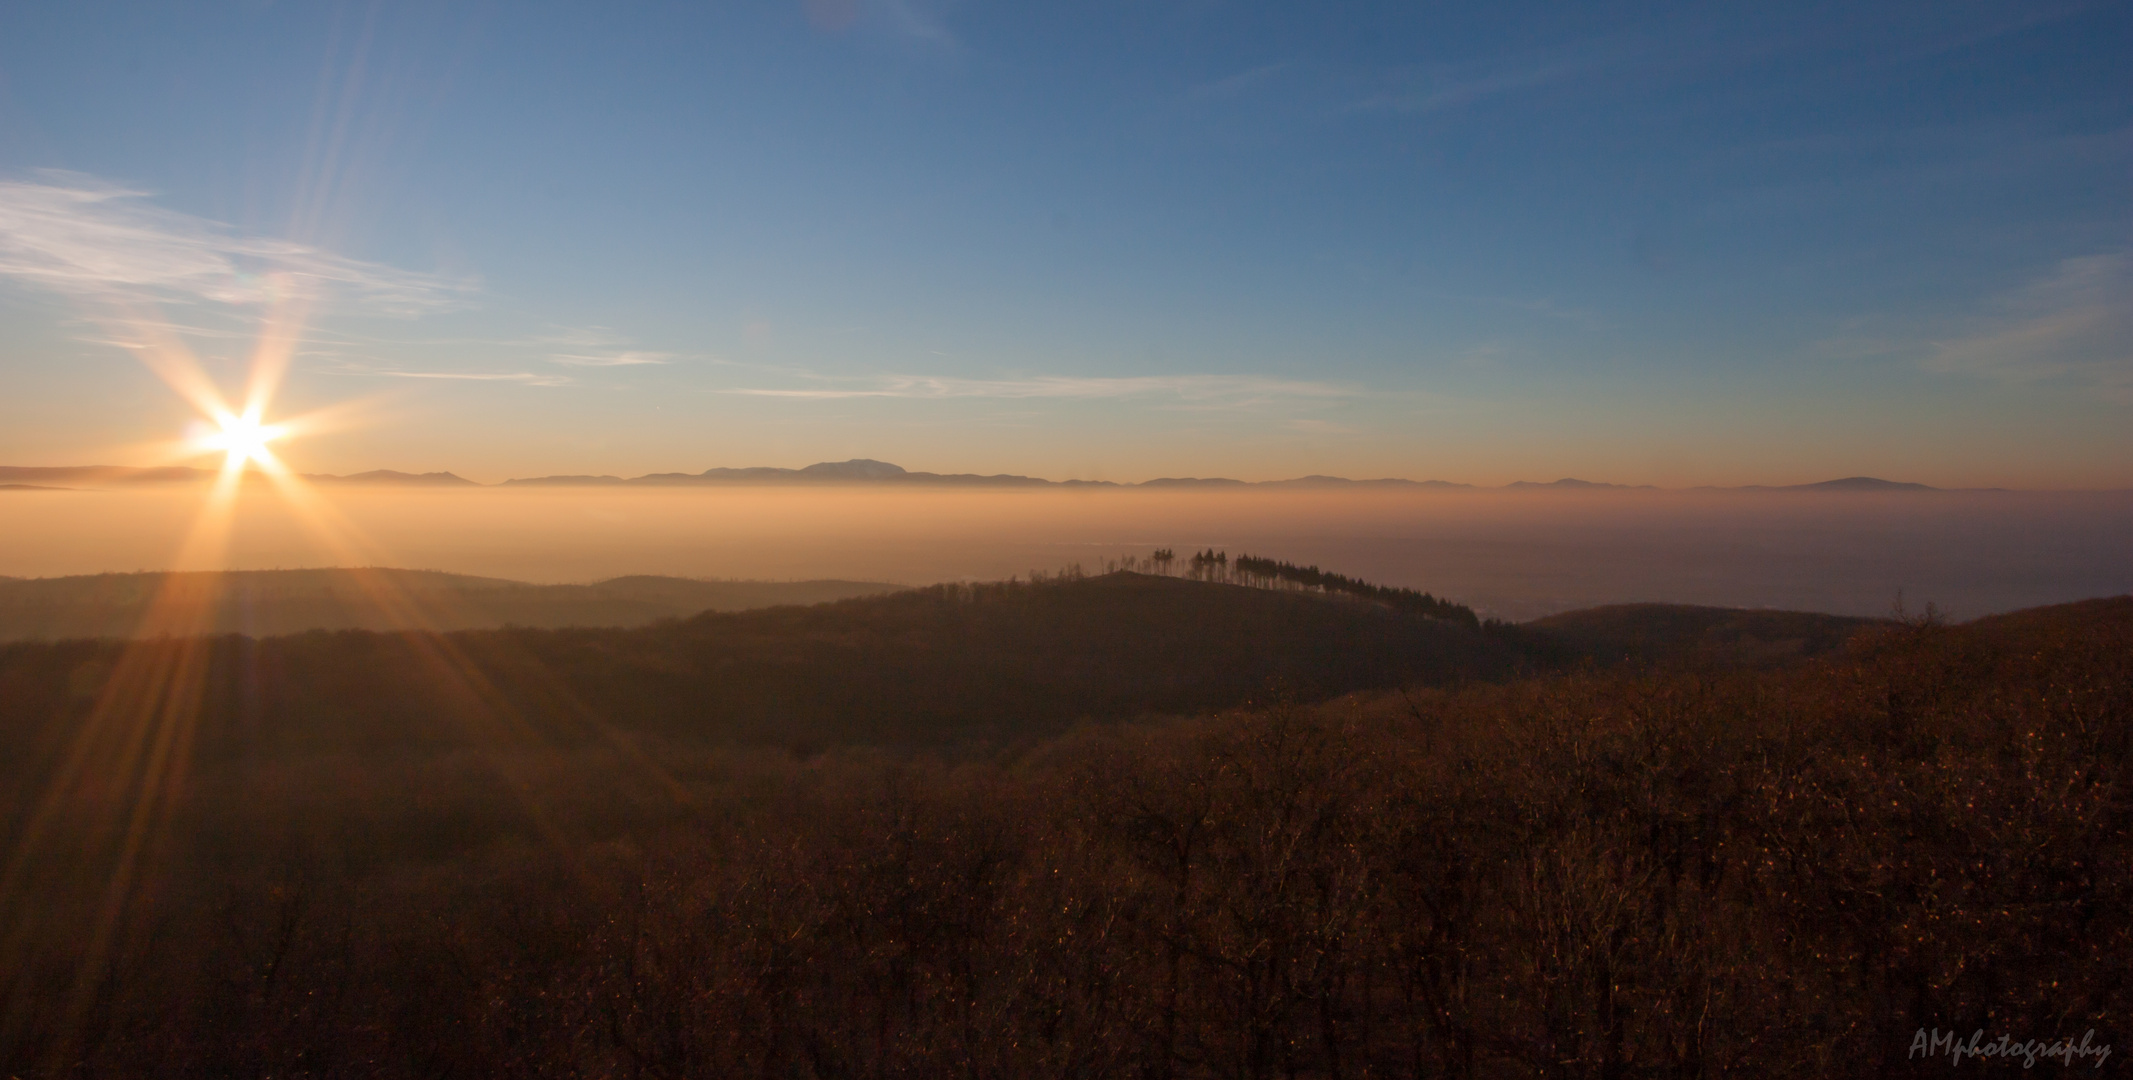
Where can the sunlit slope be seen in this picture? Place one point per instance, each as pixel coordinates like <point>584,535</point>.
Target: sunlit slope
<point>269,602</point>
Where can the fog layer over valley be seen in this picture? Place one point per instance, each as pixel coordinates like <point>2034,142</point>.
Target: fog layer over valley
<point>1515,555</point>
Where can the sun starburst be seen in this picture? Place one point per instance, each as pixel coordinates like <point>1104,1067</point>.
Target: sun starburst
<point>243,439</point>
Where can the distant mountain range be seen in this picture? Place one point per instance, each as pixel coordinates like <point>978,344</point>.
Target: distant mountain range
<point>1849,483</point>
<point>864,471</point>
<point>93,476</point>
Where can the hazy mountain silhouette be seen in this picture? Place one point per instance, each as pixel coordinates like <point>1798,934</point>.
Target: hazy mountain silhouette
<point>857,470</point>
<point>1859,483</point>
<point>389,476</point>
<point>1316,481</point>
<point>106,475</point>
<point>76,475</point>
<point>867,471</point>
<point>1572,484</point>
<point>1849,483</point>
<point>1191,481</point>
<point>870,471</point>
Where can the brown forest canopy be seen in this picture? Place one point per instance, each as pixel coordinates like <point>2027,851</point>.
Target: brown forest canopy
<point>660,852</point>
<point>930,666</point>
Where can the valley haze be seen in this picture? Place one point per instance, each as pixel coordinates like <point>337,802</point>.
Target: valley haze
<point>1519,552</point>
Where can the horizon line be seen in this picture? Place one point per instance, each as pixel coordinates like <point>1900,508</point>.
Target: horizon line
<point>871,472</point>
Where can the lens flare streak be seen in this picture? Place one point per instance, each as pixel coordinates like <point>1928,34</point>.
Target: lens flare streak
<point>92,839</point>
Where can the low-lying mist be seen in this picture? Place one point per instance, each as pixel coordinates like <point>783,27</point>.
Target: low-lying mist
<point>1510,555</point>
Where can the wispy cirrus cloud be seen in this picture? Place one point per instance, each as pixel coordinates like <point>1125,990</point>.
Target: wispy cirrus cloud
<point>919,21</point>
<point>132,261</point>
<point>2074,325</point>
<point>591,347</point>
<point>1309,426</point>
<point>528,378</point>
<point>573,337</point>
<point>1232,390</point>
<point>1232,85</point>
<point>572,347</point>
<point>77,235</point>
<point>1438,87</point>
<point>623,358</point>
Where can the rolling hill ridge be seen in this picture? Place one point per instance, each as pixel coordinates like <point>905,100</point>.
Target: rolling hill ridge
<point>264,603</point>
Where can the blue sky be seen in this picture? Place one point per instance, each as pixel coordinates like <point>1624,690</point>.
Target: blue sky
<point>1645,243</point>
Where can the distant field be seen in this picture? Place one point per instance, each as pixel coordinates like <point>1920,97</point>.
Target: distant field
<point>269,602</point>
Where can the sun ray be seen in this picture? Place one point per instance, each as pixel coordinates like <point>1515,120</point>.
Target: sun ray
<point>105,813</point>
<point>162,352</point>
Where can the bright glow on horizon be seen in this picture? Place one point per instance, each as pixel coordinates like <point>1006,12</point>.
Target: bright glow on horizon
<point>244,439</point>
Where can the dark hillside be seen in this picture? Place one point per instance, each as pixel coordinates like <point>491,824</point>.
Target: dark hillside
<point>948,661</point>
<point>1688,634</point>
<point>2104,615</point>
<point>925,666</point>
<point>543,853</point>
<point>268,602</point>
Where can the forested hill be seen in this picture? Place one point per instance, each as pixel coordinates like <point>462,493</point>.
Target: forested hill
<point>487,852</point>
<point>1675,634</point>
<point>924,666</point>
<point>268,602</point>
<point>1013,658</point>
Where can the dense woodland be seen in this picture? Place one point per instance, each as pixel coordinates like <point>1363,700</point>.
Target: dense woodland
<point>1121,826</point>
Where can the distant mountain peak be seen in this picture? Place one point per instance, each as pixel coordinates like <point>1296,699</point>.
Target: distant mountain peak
<point>1849,483</point>
<point>1567,483</point>
<point>855,469</point>
<point>1863,483</point>
<point>1192,481</point>
<point>394,476</point>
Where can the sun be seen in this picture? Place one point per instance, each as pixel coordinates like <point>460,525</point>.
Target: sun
<point>243,438</point>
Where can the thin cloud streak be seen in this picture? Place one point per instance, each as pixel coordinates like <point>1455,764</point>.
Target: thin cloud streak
<point>914,21</point>
<point>79,236</point>
<point>2074,325</point>
<point>1233,85</point>
<point>1437,88</point>
<point>526,377</point>
<point>574,337</point>
<point>1203,389</point>
<point>626,358</point>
